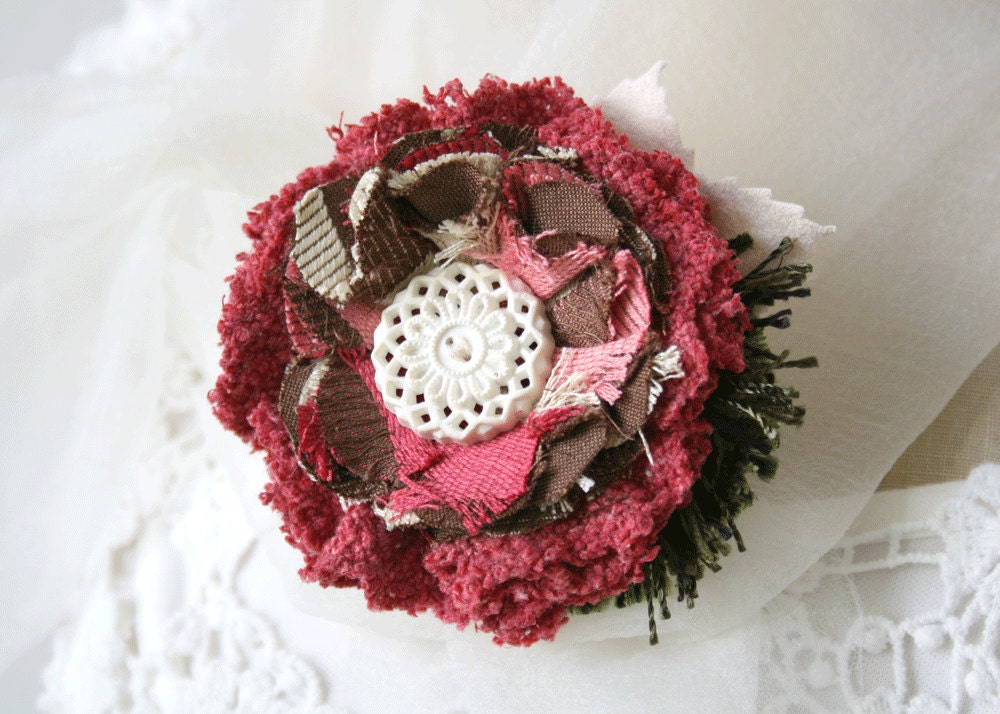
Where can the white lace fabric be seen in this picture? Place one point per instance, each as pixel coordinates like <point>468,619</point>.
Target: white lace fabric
<point>900,618</point>
<point>163,626</point>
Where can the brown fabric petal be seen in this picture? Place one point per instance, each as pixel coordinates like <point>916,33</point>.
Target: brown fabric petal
<point>552,245</point>
<point>646,252</point>
<point>296,376</point>
<point>519,174</point>
<point>320,317</point>
<point>353,426</point>
<point>564,459</point>
<point>387,251</point>
<point>569,208</point>
<point>348,485</point>
<point>613,464</point>
<point>527,519</point>
<point>514,139</point>
<point>629,413</point>
<point>443,523</point>
<point>450,190</point>
<point>406,145</point>
<point>653,262</point>
<point>579,318</point>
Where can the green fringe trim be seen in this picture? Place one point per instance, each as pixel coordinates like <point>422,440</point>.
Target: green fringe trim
<point>745,411</point>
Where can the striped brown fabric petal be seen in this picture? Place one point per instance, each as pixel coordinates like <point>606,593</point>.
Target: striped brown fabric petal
<point>321,249</point>
<point>320,317</point>
<point>386,251</point>
<point>468,143</point>
<point>579,317</point>
<point>569,208</point>
<point>353,426</point>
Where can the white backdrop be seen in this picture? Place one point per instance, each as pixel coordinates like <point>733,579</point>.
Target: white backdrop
<point>125,176</point>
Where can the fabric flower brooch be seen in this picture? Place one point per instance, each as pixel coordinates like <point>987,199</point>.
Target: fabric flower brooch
<point>501,363</point>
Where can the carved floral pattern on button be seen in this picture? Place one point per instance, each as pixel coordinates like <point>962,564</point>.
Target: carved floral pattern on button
<point>461,355</point>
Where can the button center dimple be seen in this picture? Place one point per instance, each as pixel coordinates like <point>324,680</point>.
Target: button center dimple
<point>459,348</point>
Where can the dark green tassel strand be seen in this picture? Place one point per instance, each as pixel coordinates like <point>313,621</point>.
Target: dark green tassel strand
<point>745,411</point>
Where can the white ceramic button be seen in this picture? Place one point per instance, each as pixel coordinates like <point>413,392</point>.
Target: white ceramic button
<point>462,353</point>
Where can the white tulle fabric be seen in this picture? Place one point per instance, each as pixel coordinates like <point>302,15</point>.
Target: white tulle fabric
<point>128,510</point>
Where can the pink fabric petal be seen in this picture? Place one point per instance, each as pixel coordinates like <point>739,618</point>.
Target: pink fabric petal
<point>544,276</point>
<point>480,481</point>
<point>364,318</point>
<point>603,368</point>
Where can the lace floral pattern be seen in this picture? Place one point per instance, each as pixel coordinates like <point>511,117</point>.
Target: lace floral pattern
<point>903,619</point>
<point>162,627</point>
